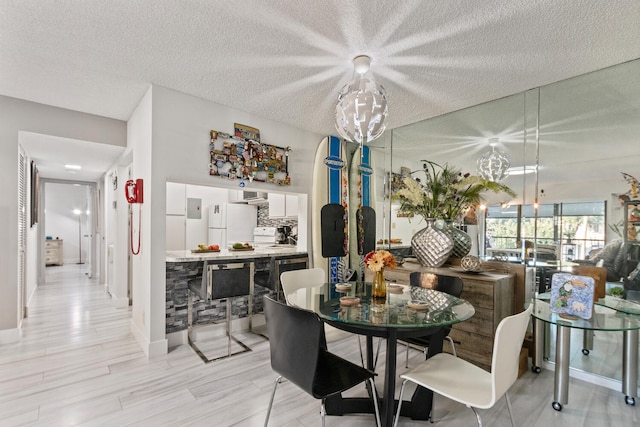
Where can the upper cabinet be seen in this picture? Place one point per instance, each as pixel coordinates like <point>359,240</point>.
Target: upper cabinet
<point>283,205</point>
<point>236,196</point>
<point>176,199</point>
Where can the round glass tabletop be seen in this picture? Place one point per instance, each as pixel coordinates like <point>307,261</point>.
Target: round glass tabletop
<point>404,307</point>
<point>604,318</point>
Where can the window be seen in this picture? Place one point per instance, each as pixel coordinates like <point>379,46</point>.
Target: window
<point>568,230</point>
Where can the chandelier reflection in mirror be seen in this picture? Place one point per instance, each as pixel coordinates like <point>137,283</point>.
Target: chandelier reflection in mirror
<point>494,165</point>
<point>361,109</point>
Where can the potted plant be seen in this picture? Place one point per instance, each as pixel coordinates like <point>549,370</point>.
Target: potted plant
<point>444,194</point>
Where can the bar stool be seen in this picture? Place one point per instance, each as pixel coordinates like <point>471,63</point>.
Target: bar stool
<point>223,281</point>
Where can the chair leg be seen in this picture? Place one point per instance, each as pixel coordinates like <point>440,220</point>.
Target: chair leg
<point>361,353</point>
<point>375,359</point>
<point>395,423</point>
<point>273,393</point>
<point>477,415</point>
<point>374,396</point>
<point>323,412</point>
<point>453,346</point>
<point>513,421</point>
<point>406,356</point>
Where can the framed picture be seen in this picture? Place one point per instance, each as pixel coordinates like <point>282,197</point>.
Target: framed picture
<point>35,189</point>
<point>246,132</point>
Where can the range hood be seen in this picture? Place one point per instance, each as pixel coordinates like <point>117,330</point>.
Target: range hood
<point>254,197</point>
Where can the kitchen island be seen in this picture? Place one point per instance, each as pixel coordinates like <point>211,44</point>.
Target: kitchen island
<point>184,268</point>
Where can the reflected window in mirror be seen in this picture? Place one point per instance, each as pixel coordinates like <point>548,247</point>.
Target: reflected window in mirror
<point>559,231</point>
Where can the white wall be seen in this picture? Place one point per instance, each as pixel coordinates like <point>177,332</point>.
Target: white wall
<point>179,125</point>
<point>145,288</point>
<point>18,115</point>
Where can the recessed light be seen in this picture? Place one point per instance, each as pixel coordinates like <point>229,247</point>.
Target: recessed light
<point>73,167</point>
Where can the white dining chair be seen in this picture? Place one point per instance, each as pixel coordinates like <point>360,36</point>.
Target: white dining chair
<point>468,384</point>
<point>308,278</point>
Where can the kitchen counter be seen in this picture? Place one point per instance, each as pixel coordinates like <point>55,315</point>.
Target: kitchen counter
<point>184,268</point>
<point>226,254</point>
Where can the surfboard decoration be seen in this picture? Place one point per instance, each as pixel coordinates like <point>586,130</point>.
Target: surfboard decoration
<point>330,192</point>
<point>362,214</point>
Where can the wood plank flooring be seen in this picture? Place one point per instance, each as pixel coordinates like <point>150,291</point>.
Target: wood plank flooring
<point>78,365</point>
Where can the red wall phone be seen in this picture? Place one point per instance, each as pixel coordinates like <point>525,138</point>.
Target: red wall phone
<point>133,191</point>
<point>134,194</point>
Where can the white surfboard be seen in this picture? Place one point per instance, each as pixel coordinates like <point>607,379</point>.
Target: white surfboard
<point>329,185</point>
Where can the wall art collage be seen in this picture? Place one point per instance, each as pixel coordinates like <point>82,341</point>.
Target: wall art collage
<point>242,156</point>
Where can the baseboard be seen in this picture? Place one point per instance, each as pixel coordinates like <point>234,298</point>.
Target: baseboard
<point>120,302</point>
<point>158,348</point>
<point>151,349</point>
<point>8,336</point>
<point>175,339</point>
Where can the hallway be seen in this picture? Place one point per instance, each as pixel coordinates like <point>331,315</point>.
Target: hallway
<point>78,364</point>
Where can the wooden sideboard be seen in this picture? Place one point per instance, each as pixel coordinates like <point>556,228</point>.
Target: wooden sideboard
<point>53,252</point>
<point>492,296</point>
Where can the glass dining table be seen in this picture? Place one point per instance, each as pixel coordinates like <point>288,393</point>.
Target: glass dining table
<point>405,312</point>
<point>610,314</point>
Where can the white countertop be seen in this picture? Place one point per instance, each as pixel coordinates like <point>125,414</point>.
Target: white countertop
<point>226,254</point>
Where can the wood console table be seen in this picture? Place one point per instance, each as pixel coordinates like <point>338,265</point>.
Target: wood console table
<point>492,296</point>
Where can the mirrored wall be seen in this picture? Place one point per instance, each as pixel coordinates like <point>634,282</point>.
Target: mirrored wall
<point>578,135</point>
<point>582,133</point>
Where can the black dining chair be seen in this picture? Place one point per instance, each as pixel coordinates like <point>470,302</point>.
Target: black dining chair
<point>299,354</point>
<point>447,284</point>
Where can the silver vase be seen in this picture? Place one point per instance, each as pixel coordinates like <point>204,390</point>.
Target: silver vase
<point>432,245</point>
<point>461,241</point>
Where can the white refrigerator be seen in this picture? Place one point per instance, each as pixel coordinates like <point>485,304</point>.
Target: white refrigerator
<point>230,223</point>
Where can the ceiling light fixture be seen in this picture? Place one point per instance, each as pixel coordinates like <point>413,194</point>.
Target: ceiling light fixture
<point>494,165</point>
<point>521,170</point>
<point>73,167</point>
<point>361,109</point>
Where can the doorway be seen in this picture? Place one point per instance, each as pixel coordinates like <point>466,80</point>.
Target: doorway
<point>68,226</point>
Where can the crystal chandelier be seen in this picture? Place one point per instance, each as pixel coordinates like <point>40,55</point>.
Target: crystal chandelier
<point>494,164</point>
<point>361,109</point>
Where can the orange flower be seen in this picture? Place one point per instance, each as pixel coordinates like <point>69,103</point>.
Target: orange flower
<point>377,260</point>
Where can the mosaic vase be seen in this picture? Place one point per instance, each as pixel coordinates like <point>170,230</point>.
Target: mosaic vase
<point>461,241</point>
<point>432,245</point>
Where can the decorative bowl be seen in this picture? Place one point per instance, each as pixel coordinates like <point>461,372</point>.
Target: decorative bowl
<point>471,263</point>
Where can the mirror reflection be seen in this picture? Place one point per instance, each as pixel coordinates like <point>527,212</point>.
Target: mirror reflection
<point>579,140</point>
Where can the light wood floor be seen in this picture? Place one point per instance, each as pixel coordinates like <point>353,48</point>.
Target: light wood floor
<point>78,364</point>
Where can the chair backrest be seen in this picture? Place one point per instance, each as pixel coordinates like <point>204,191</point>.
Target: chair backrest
<point>447,284</point>
<point>295,337</point>
<point>294,280</point>
<point>599,275</point>
<point>506,351</point>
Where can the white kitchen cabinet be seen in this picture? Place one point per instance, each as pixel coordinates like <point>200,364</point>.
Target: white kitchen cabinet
<point>176,233</point>
<point>176,199</point>
<point>276,205</point>
<point>236,196</point>
<point>291,205</point>
<point>283,205</point>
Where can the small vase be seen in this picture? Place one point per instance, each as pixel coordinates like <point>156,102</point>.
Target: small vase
<point>379,286</point>
<point>431,245</point>
<point>461,241</point>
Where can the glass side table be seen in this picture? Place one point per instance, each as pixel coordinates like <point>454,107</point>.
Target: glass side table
<point>602,320</point>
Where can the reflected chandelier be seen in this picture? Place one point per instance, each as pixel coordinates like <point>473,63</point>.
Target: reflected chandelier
<point>494,165</point>
<point>361,109</point>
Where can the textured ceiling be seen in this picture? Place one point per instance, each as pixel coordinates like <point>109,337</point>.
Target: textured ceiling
<point>287,59</point>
